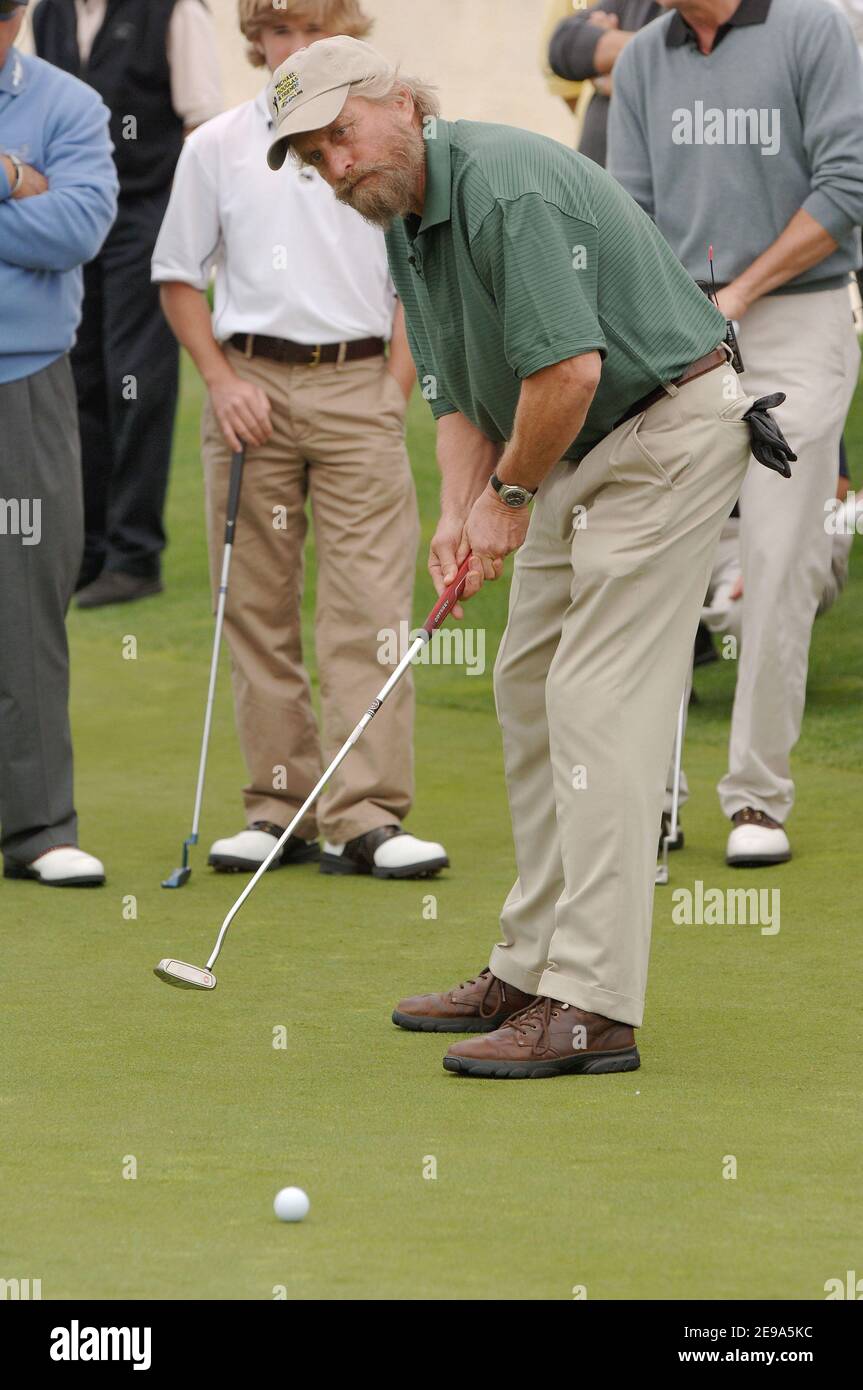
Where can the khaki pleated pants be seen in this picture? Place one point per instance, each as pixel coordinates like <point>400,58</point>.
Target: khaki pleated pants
<point>806,346</point>
<point>338,438</point>
<point>605,601</point>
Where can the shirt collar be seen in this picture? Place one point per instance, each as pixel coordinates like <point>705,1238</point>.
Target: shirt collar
<point>264,107</point>
<point>13,74</point>
<point>438,194</point>
<point>747,12</point>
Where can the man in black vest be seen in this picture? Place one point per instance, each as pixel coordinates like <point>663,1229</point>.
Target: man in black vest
<point>154,64</point>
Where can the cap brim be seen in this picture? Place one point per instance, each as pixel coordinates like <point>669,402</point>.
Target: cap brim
<point>312,115</point>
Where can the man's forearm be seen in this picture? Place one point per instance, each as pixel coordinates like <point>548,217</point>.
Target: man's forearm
<point>466,459</point>
<point>188,314</point>
<point>551,411</point>
<point>803,244</point>
<point>400,362</point>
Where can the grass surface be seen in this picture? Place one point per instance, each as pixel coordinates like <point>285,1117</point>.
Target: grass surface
<point>750,1047</point>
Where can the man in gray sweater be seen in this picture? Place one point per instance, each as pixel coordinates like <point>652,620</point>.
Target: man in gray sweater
<point>736,124</point>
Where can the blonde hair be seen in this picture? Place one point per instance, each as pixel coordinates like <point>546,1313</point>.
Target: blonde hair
<point>339,16</point>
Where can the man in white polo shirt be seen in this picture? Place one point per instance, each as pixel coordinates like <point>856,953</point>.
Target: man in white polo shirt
<point>295,369</point>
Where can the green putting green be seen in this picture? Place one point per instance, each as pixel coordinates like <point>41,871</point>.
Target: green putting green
<point>610,1184</point>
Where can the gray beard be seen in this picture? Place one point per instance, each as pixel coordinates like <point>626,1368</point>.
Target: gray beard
<point>392,193</point>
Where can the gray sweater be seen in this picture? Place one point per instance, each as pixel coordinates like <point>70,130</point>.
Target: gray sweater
<point>725,148</point>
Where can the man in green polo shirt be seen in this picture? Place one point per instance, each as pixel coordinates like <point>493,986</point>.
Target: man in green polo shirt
<point>571,362</point>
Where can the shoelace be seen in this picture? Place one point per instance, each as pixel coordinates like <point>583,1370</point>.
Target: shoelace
<point>751,816</point>
<point>536,1015</point>
<point>483,1011</point>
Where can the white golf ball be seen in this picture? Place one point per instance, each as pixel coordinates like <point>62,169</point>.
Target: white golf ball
<point>291,1204</point>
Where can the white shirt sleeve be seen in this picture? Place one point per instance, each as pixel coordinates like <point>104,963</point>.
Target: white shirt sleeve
<point>196,84</point>
<point>853,11</point>
<point>190,237</point>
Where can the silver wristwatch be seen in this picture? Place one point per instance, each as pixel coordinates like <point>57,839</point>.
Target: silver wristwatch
<point>511,493</point>
<point>19,172</point>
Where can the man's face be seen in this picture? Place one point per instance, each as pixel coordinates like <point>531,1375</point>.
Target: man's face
<point>281,40</point>
<point>372,156</point>
<point>9,29</point>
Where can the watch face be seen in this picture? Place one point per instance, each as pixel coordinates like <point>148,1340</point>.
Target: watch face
<point>515,496</point>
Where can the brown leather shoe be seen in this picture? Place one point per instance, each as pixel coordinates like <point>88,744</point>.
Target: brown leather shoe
<point>547,1039</point>
<point>115,586</point>
<point>477,1006</point>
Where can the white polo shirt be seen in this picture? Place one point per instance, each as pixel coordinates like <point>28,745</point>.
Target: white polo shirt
<point>291,261</point>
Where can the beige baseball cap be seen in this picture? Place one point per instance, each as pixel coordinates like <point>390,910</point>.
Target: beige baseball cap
<point>310,88</point>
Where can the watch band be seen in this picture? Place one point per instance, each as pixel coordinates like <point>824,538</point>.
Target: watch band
<point>18,166</point>
<point>514,494</point>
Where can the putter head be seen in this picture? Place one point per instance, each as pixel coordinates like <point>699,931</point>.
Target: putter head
<point>183,976</point>
<point>177,878</point>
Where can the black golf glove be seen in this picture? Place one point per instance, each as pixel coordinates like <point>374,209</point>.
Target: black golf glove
<point>769,444</point>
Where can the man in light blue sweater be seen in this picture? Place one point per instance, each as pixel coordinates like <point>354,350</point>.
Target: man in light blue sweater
<point>58,198</point>
<point>737,124</point>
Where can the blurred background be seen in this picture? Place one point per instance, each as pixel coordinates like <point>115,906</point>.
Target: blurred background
<point>464,47</point>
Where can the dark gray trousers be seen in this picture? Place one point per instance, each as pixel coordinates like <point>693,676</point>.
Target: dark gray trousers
<point>41,543</point>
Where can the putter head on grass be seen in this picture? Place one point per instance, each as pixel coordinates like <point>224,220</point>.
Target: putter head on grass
<point>177,878</point>
<point>184,976</point>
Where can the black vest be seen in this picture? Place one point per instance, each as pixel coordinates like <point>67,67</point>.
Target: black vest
<point>128,67</point>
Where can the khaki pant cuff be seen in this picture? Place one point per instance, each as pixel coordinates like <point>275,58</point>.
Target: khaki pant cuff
<point>339,832</point>
<point>738,803</point>
<point>620,1007</point>
<point>505,968</point>
<point>280,813</point>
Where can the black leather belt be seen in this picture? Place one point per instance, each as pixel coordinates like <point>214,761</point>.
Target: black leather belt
<point>301,354</point>
<point>717,358</point>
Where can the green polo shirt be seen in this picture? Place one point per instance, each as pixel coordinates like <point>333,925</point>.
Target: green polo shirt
<point>526,254</point>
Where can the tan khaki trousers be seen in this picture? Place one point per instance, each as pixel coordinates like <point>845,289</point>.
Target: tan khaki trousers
<point>338,437</point>
<point>805,345</point>
<point>588,679</point>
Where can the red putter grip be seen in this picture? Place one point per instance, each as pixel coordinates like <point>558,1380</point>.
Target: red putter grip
<point>448,599</point>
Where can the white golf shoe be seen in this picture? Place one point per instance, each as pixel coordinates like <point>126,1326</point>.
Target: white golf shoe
<point>756,840</point>
<point>65,866</point>
<point>388,852</point>
<point>248,850</point>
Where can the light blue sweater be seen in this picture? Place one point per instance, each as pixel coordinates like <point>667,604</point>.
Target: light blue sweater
<point>60,126</point>
<point>725,148</point>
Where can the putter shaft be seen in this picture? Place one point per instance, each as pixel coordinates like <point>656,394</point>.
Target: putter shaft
<point>178,972</point>
<point>181,876</point>
<point>415,647</point>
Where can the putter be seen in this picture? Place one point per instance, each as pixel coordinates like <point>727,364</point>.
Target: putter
<point>185,976</point>
<point>662,867</point>
<point>184,873</point>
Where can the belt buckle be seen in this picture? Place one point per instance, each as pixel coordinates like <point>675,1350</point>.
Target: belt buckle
<point>315,359</point>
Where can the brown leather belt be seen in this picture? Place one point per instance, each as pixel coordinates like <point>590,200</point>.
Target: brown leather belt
<point>717,358</point>
<point>300,354</point>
